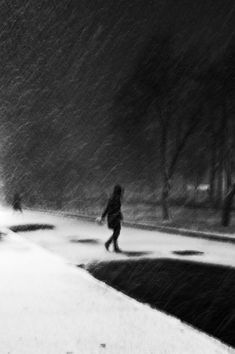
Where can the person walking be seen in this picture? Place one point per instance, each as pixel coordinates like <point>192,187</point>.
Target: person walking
<point>16,204</point>
<point>114,217</point>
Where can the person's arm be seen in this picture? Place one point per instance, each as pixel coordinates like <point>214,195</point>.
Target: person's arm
<point>105,212</point>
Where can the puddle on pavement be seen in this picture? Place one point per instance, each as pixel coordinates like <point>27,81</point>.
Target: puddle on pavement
<point>91,241</point>
<point>135,253</point>
<point>82,265</point>
<point>31,227</point>
<point>188,253</point>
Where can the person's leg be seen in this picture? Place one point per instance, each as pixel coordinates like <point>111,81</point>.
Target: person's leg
<point>116,234</point>
<point>108,242</point>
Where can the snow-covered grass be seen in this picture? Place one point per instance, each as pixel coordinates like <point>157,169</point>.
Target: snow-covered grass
<point>202,219</point>
<point>203,295</point>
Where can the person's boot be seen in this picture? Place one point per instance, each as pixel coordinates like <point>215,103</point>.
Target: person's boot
<point>106,245</point>
<point>116,248</point>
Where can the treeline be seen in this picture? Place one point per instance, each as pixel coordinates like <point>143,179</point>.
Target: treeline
<point>91,96</point>
<point>182,102</point>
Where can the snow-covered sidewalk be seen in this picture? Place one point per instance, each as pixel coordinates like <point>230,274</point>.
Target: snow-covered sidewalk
<point>81,241</point>
<point>48,306</point>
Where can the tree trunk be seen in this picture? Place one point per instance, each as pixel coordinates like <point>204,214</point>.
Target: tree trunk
<point>212,172</point>
<point>227,206</point>
<point>165,188</point>
<point>165,200</point>
<point>220,189</point>
<point>185,192</point>
<point>223,181</point>
<point>227,151</point>
<point>196,184</point>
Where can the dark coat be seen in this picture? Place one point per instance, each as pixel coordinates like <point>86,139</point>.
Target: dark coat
<point>113,212</point>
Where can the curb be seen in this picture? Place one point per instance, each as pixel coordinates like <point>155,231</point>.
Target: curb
<point>165,229</point>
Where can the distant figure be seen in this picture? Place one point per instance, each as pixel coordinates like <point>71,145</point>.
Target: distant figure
<point>17,203</point>
<point>114,216</point>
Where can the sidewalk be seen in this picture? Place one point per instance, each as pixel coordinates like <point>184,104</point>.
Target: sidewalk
<point>81,241</point>
<point>207,235</point>
<point>48,306</point>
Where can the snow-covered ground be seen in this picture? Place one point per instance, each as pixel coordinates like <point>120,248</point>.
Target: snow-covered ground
<point>71,237</point>
<point>50,307</point>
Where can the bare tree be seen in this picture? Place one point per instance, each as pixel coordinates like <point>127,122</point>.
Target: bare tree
<point>162,80</point>
<point>218,81</point>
